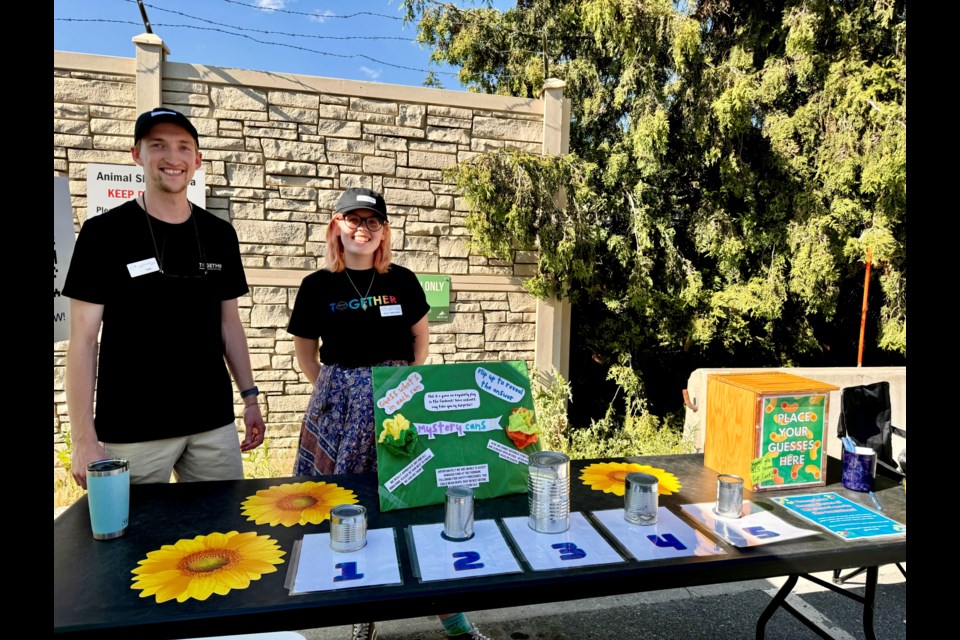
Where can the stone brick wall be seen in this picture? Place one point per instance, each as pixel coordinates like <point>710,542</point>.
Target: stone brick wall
<point>277,151</point>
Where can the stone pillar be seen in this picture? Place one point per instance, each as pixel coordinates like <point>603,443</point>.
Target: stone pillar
<point>151,54</point>
<point>553,316</point>
<point>556,118</point>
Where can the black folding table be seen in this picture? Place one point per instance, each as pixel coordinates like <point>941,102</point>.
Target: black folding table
<point>92,579</point>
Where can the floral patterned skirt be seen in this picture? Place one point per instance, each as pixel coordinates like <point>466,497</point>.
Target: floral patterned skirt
<point>337,433</point>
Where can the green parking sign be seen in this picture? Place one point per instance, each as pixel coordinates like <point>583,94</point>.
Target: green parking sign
<point>437,289</point>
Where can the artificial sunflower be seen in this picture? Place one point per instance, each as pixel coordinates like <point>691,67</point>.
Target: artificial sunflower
<point>521,428</point>
<point>609,477</point>
<point>398,436</point>
<point>296,503</point>
<point>215,563</point>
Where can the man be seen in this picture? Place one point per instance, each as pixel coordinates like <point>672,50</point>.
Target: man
<point>161,276</point>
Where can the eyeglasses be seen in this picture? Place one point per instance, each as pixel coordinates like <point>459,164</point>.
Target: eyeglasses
<point>373,223</point>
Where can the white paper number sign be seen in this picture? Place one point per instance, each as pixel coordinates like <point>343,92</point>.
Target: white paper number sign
<point>670,537</point>
<point>580,545</point>
<point>321,569</point>
<point>755,527</point>
<point>485,554</point>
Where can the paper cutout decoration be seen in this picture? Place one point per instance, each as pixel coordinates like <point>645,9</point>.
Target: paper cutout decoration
<point>609,477</point>
<point>296,503</point>
<point>198,568</point>
<point>464,424</point>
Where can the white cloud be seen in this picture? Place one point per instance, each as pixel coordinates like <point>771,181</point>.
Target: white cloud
<point>373,74</point>
<point>271,5</point>
<point>321,16</point>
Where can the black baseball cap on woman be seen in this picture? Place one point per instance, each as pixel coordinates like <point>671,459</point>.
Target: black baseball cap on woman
<point>360,198</point>
<point>149,119</point>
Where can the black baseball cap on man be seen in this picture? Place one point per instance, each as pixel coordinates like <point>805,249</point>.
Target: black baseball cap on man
<point>360,198</point>
<point>149,119</point>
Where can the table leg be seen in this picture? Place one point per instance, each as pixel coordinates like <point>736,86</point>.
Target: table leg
<point>867,600</point>
<point>775,604</point>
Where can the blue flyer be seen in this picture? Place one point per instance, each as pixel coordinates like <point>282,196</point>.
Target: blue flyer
<point>842,517</point>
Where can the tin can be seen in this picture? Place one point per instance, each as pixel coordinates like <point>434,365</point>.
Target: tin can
<point>458,517</point>
<point>641,498</point>
<point>348,527</point>
<point>729,496</point>
<point>108,496</point>
<point>548,492</point>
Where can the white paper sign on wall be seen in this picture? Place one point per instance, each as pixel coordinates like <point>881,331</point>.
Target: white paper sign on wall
<point>63,241</point>
<point>110,185</point>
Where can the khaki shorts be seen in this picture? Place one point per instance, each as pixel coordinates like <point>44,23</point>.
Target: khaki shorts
<point>211,455</point>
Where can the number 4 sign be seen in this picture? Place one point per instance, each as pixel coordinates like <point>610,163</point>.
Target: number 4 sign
<point>670,537</point>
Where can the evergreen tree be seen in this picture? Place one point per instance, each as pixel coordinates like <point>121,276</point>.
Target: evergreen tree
<point>731,162</point>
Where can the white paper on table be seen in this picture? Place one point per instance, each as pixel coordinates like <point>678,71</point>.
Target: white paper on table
<point>580,545</point>
<point>486,553</point>
<point>670,537</point>
<point>755,527</point>
<point>319,568</point>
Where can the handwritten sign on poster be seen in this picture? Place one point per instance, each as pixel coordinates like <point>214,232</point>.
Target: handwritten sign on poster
<point>464,424</point>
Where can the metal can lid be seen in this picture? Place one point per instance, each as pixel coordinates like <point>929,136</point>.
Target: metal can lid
<point>729,478</point>
<point>107,467</point>
<point>548,459</point>
<point>640,479</point>
<point>459,492</point>
<point>348,514</point>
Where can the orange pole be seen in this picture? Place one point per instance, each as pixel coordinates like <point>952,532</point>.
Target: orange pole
<point>863,313</point>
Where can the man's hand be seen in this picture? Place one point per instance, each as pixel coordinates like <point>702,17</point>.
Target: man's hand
<point>81,374</point>
<point>83,454</point>
<point>255,428</point>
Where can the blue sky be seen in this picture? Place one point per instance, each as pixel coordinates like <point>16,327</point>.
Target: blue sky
<point>349,39</point>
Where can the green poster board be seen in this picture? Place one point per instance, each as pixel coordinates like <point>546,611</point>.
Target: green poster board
<point>437,289</point>
<point>792,436</point>
<point>452,424</point>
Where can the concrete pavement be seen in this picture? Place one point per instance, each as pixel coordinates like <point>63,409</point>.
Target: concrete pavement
<point>716,612</point>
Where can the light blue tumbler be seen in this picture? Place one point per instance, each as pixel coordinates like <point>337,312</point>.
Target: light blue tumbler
<point>108,494</point>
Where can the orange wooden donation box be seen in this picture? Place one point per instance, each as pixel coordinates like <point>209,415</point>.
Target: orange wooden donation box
<point>767,414</point>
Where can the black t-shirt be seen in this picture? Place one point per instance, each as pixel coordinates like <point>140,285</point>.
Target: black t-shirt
<point>161,371</point>
<point>357,329</point>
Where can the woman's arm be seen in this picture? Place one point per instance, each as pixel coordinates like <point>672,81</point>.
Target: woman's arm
<point>421,341</point>
<point>308,356</point>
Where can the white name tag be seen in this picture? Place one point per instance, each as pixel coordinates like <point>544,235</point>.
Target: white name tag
<point>391,310</point>
<point>142,267</point>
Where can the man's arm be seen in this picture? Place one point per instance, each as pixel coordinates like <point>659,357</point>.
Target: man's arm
<point>238,359</point>
<point>81,374</point>
<point>308,357</point>
<point>421,341</point>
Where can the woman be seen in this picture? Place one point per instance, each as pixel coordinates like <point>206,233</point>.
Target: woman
<point>358,312</point>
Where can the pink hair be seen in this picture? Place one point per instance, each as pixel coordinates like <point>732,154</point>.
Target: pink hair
<point>334,258</point>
